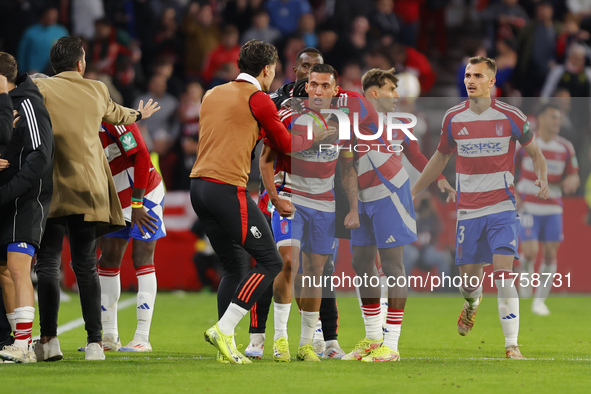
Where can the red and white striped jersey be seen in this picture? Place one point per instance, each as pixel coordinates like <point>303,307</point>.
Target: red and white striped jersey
<point>562,161</point>
<point>121,143</point>
<point>307,174</point>
<point>485,147</point>
<point>378,165</point>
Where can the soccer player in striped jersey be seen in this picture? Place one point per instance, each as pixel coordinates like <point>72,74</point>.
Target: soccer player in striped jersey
<point>484,132</point>
<point>387,220</point>
<point>304,181</point>
<point>141,193</point>
<point>541,220</point>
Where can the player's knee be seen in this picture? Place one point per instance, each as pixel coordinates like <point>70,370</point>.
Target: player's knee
<point>362,264</point>
<point>288,262</point>
<point>141,259</point>
<point>106,262</point>
<point>392,269</point>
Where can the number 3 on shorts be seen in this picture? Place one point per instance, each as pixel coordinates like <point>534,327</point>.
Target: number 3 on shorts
<point>461,234</point>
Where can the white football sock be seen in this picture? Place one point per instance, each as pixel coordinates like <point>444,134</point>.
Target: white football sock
<point>393,328</point>
<point>527,268</point>
<point>372,319</point>
<point>547,271</point>
<point>281,316</point>
<point>146,297</point>
<point>309,320</point>
<point>333,343</point>
<point>12,320</point>
<point>508,305</point>
<point>257,338</point>
<point>24,316</point>
<point>227,324</point>
<point>110,293</point>
<point>472,296</point>
<point>318,334</point>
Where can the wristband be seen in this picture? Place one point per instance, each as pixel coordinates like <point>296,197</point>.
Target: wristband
<point>137,199</point>
<point>135,204</point>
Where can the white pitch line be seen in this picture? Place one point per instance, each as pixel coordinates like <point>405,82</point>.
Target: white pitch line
<point>402,359</point>
<point>69,326</point>
<point>492,359</point>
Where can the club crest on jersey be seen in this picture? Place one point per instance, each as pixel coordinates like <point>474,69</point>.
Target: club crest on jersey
<point>128,141</point>
<point>255,232</point>
<point>499,129</point>
<point>284,227</point>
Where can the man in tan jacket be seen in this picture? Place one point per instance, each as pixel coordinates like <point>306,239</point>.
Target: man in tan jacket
<point>84,203</point>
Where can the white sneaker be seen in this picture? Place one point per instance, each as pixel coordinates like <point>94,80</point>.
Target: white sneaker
<point>334,351</point>
<point>111,343</point>
<point>255,347</point>
<point>49,351</point>
<point>539,307</point>
<point>17,354</point>
<point>318,344</point>
<point>94,352</point>
<point>137,346</point>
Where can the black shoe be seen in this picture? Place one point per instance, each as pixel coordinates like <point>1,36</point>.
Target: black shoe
<point>6,342</point>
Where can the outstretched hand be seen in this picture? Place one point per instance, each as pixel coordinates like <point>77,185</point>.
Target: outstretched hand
<point>149,109</point>
<point>445,187</point>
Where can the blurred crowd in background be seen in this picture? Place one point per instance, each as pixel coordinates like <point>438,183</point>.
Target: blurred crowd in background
<point>174,50</point>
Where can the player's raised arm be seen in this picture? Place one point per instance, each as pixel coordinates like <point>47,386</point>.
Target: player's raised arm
<point>540,168</point>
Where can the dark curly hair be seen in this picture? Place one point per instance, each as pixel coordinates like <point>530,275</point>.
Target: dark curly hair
<point>255,55</point>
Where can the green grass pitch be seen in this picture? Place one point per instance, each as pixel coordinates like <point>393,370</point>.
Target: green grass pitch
<point>434,357</point>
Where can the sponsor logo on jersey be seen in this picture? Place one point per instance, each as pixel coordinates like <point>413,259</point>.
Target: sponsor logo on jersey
<point>478,148</point>
<point>128,141</point>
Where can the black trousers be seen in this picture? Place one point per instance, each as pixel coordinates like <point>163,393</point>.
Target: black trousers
<point>234,223</point>
<point>83,246</point>
<point>329,312</point>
